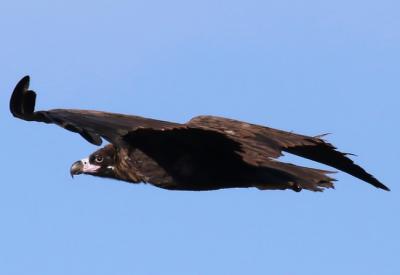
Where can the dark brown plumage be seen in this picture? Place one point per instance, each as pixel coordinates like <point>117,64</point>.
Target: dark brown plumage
<point>206,153</point>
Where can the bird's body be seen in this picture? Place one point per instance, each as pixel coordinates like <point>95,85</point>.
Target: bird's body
<point>206,153</point>
<point>186,172</point>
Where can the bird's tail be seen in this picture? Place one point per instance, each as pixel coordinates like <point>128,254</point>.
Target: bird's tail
<point>297,178</point>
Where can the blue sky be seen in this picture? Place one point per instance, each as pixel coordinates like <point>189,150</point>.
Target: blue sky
<point>306,66</point>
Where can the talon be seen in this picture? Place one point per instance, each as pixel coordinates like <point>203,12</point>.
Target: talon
<point>296,187</point>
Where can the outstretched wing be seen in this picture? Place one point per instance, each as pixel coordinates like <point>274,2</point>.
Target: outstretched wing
<point>259,144</point>
<point>91,125</point>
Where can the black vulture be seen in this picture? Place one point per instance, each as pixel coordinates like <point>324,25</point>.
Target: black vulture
<point>206,153</point>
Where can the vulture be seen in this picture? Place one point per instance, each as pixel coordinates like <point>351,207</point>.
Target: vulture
<point>205,153</point>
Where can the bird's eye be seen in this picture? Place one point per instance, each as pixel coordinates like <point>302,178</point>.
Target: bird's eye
<point>99,158</point>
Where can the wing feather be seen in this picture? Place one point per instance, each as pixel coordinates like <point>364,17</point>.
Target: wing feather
<point>259,144</point>
<point>91,125</point>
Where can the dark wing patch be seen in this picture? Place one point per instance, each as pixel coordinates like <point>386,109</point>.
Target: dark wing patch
<point>259,144</point>
<point>91,125</point>
<point>197,159</point>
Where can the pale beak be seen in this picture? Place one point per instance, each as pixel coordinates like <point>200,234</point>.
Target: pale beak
<point>76,168</point>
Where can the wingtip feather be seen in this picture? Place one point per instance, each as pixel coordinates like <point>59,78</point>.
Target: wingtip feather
<point>22,100</point>
<point>383,187</point>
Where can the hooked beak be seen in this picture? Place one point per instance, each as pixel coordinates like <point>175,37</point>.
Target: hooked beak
<point>84,167</point>
<point>76,168</point>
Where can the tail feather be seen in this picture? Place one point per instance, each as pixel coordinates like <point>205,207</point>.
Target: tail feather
<point>300,178</point>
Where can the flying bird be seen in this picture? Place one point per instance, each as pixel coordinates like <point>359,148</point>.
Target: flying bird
<point>206,153</point>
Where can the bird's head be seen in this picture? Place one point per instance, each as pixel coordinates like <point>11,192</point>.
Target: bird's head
<point>101,163</point>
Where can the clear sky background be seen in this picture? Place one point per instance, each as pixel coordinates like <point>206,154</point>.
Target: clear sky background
<point>306,66</point>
